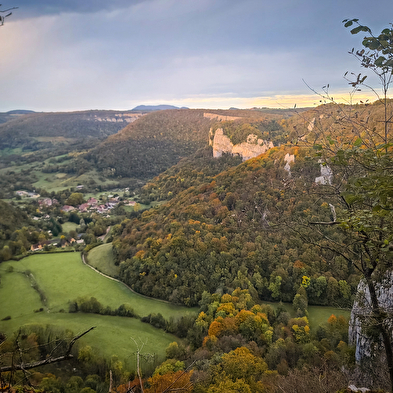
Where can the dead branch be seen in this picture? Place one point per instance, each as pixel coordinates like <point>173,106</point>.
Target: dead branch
<point>48,360</point>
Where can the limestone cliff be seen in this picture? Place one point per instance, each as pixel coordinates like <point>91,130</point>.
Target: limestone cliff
<point>368,348</point>
<point>214,116</point>
<point>251,148</point>
<point>326,175</point>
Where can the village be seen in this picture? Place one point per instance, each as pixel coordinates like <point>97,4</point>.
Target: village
<point>74,234</point>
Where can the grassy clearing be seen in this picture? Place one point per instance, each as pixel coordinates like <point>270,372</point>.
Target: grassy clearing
<point>8,151</point>
<point>16,305</point>
<point>316,314</point>
<point>69,226</point>
<point>101,258</point>
<point>320,314</point>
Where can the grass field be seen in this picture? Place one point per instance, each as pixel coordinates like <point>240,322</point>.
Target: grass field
<point>101,258</point>
<point>320,314</point>
<point>112,335</point>
<point>316,314</point>
<point>63,277</point>
<point>69,226</point>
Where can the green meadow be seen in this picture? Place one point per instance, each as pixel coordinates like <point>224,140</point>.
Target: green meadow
<point>68,226</point>
<point>61,278</point>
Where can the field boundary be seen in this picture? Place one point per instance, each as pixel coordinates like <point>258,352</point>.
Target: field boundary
<point>121,282</point>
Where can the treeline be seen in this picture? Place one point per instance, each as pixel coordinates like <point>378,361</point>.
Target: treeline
<point>195,170</point>
<point>267,130</point>
<point>93,306</point>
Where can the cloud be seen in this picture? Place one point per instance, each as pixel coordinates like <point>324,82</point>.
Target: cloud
<point>96,54</point>
<point>30,8</point>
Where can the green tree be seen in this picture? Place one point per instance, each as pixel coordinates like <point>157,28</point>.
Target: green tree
<point>76,198</point>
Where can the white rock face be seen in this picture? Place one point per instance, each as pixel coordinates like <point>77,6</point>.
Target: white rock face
<point>310,126</point>
<point>326,175</point>
<point>221,143</point>
<point>252,148</point>
<point>288,159</point>
<point>214,116</point>
<point>366,347</point>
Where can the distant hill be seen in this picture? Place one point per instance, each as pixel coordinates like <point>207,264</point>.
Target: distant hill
<point>19,112</point>
<point>150,108</point>
<point>10,115</point>
<point>160,139</point>
<point>32,131</point>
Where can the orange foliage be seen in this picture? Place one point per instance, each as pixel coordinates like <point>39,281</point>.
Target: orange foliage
<point>228,308</point>
<point>332,320</point>
<point>178,381</point>
<point>140,254</point>
<point>299,264</point>
<point>221,325</point>
<point>243,315</point>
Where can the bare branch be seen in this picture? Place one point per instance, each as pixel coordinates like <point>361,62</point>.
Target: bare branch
<point>48,360</point>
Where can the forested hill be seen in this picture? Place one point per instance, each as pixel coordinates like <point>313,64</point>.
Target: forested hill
<point>230,224</point>
<point>31,131</point>
<point>231,232</point>
<point>160,139</point>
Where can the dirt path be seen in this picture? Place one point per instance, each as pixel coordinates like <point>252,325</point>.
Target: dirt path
<point>121,282</point>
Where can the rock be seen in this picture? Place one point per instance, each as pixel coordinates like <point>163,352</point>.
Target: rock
<point>251,148</point>
<point>367,347</point>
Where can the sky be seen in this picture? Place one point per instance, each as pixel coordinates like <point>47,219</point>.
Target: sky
<point>63,55</point>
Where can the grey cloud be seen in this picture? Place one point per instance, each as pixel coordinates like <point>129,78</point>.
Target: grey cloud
<point>28,8</point>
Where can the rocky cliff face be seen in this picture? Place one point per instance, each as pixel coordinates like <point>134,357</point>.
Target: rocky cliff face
<point>251,148</point>
<point>368,347</point>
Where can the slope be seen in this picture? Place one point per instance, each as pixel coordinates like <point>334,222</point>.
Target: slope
<point>240,227</point>
<point>160,139</point>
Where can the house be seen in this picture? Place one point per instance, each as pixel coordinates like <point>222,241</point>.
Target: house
<point>46,202</point>
<point>67,208</point>
<point>92,201</point>
<point>36,247</point>
<point>84,207</point>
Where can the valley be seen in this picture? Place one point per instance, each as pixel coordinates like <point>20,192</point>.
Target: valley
<point>214,227</point>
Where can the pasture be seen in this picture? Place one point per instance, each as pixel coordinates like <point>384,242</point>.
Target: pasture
<point>62,277</point>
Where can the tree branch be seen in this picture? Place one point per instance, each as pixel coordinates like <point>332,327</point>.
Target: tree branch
<point>48,360</point>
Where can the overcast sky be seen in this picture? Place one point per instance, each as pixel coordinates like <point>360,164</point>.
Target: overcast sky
<point>60,55</point>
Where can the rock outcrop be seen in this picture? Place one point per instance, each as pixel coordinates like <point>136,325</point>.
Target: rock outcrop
<point>326,175</point>
<point>288,159</point>
<point>214,116</point>
<point>251,148</point>
<point>367,347</point>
